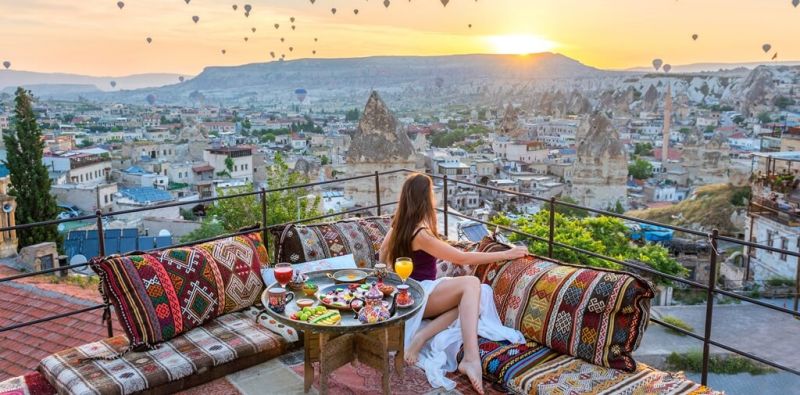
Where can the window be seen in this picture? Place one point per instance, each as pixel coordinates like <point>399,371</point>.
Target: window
<point>105,198</point>
<point>784,246</point>
<point>769,240</point>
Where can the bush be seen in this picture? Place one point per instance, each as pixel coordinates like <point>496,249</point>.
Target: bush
<point>780,282</point>
<point>692,361</point>
<point>675,321</point>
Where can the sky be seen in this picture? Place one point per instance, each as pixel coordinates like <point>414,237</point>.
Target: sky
<point>95,37</point>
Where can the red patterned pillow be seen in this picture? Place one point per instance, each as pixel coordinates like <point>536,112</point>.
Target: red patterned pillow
<point>162,294</point>
<point>596,315</point>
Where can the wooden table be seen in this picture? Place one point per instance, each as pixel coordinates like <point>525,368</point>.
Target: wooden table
<point>335,346</point>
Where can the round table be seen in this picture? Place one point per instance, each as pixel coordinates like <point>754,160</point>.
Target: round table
<point>334,346</point>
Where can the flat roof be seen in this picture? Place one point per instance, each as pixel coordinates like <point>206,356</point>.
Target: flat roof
<point>789,156</point>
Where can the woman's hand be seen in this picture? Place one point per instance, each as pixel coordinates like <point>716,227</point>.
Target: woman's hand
<point>517,252</point>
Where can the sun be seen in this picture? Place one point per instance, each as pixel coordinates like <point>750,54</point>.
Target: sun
<point>519,44</point>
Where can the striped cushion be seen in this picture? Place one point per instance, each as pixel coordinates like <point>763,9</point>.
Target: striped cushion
<point>161,294</point>
<point>597,315</point>
<point>535,369</point>
<point>82,370</point>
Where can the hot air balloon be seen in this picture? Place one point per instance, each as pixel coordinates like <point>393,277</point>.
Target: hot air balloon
<point>386,3</point>
<point>272,54</point>
<point>235,7</point>
<point>252,29</point>
<point>151,98</point>
<point>315,39</point>
<point>121,5</point>
<point>312,1</point>
<point>292,27</point>
<point>355,11</point>
<point>7,64</point>
<point>245,39</point>
<point>247,7</point>
<point>291,49</point>
<point>276,25</point>
<point>444,2</point>
<point>301,94</point>
<point>657,63</point>
<point>196,19</point>
<point>775,56</point>
<point>149,40</point>
<point>223,52</point>
<point>667,68</point>
<point>282,39</point>
<point>187,1</point>
<point>795,3</point>
<point>333,11</point>
<point>291,19</point>
<point>469,26</point>
<point>766,47</point>
<point>113,84</point>
<point>694,37</point>
<point>247,14</point>
<point>180,78</point>
<point>314,52</point>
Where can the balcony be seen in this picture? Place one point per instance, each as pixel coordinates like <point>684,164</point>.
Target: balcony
<point>724,323</point>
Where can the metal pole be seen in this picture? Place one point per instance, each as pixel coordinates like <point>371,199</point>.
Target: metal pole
<point>797,284</point>
<point>552,227</point>
<point>378,192</point>
<point>712,276</point>
<point>446,209</point>
<point>101,241</point>
<point>264,232</point>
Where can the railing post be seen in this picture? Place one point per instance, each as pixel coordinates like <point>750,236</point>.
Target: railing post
<point>378,191</point>
<point>446,209</point>
<point>101,242</point>
<point>712,276</point>
<point>264,232</point>
<point>552,227</point>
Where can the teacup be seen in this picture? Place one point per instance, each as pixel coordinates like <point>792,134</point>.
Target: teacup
<point>278,297</point>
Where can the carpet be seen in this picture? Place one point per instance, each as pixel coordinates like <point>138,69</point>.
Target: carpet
<point>363,380</point>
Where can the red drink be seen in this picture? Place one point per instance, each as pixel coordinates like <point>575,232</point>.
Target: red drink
<point>283,274</point>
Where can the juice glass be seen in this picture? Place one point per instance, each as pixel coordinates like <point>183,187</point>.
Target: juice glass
<point>403,267</point>
<point>283,273</point>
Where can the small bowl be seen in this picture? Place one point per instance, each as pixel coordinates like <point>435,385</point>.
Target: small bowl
<point>310,291</point>
<point>387,289</point>
<point>301,303</point>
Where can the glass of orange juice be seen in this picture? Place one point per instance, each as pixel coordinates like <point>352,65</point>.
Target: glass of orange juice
<point>403,267</point>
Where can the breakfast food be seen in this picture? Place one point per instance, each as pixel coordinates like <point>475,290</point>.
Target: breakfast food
<point>386,289</point>
<point>309,288</point>
<point>302,303</point>
<point>317,315</point>
<point>340,297</point>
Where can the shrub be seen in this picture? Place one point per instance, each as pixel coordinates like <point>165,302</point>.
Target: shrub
<point>780,281</point>
<point>692,361</point>
<point>675,321</point>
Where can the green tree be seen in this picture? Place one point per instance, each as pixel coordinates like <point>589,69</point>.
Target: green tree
<point>230,215</point>
<point>643,149</point>
<point>229,164</point>
<point>640,169</point>
<point>30,182</point>
<point>85,143</point>
<point>602,235</point>
<point>352,115</point>
<point>764,118</point>
<point>324,160</point>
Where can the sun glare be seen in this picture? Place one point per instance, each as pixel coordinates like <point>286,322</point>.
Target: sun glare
<point>519,44</point>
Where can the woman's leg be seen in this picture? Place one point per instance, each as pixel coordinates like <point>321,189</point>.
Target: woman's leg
<point>437,325</point>
<point>464,292</point>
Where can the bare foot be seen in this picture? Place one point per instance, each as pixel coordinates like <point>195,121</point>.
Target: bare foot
<point>412,351</point>
<point>473,371</point>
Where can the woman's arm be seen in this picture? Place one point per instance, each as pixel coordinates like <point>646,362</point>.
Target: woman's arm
<point>384,251</point>
<point>440,249</point>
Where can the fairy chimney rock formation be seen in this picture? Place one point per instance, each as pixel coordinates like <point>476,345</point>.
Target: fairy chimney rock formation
<point>601,170</point>
<point>509,125</point>
<point>379,144</point>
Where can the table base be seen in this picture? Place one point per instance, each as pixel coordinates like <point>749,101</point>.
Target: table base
<point>371,348</point>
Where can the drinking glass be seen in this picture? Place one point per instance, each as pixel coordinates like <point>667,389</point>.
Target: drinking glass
<point>403,267</point>
<point>283,273</point>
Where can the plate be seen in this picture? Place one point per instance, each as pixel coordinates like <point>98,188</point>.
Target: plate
<point>338,296</point>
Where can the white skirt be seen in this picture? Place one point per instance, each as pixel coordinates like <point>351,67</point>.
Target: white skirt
<point>438,355</point>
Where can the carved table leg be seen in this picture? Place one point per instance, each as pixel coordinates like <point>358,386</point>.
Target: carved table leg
<point>334,352</point>
<point>372,349</point>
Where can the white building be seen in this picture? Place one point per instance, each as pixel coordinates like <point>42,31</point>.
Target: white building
<point>89,167</point>
<point>241,160</point>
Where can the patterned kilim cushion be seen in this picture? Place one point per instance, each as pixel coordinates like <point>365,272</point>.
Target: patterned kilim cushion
<point>81,370</point>
<point>360,237</point>
<point>162,294</point>
<point>32,383</point>
<point>449,269</point>
<point>535,369</point>
<point>597,315</point>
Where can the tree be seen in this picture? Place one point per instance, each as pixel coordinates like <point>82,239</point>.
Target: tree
<point>352,115</point>
<point>640,169</point>
<point>30,182</point>
<point>602,235</point>
<point>324,160</point>
<point>85,143</point>
<point>643,149</point>
<point>229,164</point>
<point>230,215</point>
<point>764,118</point>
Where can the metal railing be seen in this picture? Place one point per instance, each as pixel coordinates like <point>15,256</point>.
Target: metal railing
<point>710,287</point>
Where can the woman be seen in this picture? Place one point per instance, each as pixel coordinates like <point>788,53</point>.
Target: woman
<point>414,234</point>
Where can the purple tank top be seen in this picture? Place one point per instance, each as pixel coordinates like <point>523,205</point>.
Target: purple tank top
<point>424,266</point>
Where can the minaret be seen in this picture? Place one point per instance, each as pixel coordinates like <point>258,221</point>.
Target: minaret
<point>667,125</point>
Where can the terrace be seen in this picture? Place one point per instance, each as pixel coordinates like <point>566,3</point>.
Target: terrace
<point>718,329</point>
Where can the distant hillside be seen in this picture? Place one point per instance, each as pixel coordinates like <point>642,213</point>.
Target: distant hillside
<point>339,77</point>
<point>712,67</point>
<point>718,206</point>
<point>14,78</point>
<point>59,91</point>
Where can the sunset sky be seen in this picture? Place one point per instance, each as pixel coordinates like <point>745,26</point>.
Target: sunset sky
<point>94,37</point>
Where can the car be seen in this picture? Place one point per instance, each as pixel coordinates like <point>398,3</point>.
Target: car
<point>68,211</point>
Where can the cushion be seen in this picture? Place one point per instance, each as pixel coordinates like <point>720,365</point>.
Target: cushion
<point>446,268</point>
<point>32,383</point>
<point>597,315</point>
<point>361,237</point>
<point>232,337</point>
<point>161,294</point>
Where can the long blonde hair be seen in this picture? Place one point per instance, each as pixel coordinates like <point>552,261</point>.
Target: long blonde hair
<point>415,208</point>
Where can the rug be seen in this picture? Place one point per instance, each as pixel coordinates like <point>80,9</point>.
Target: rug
<point>363,380</point>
